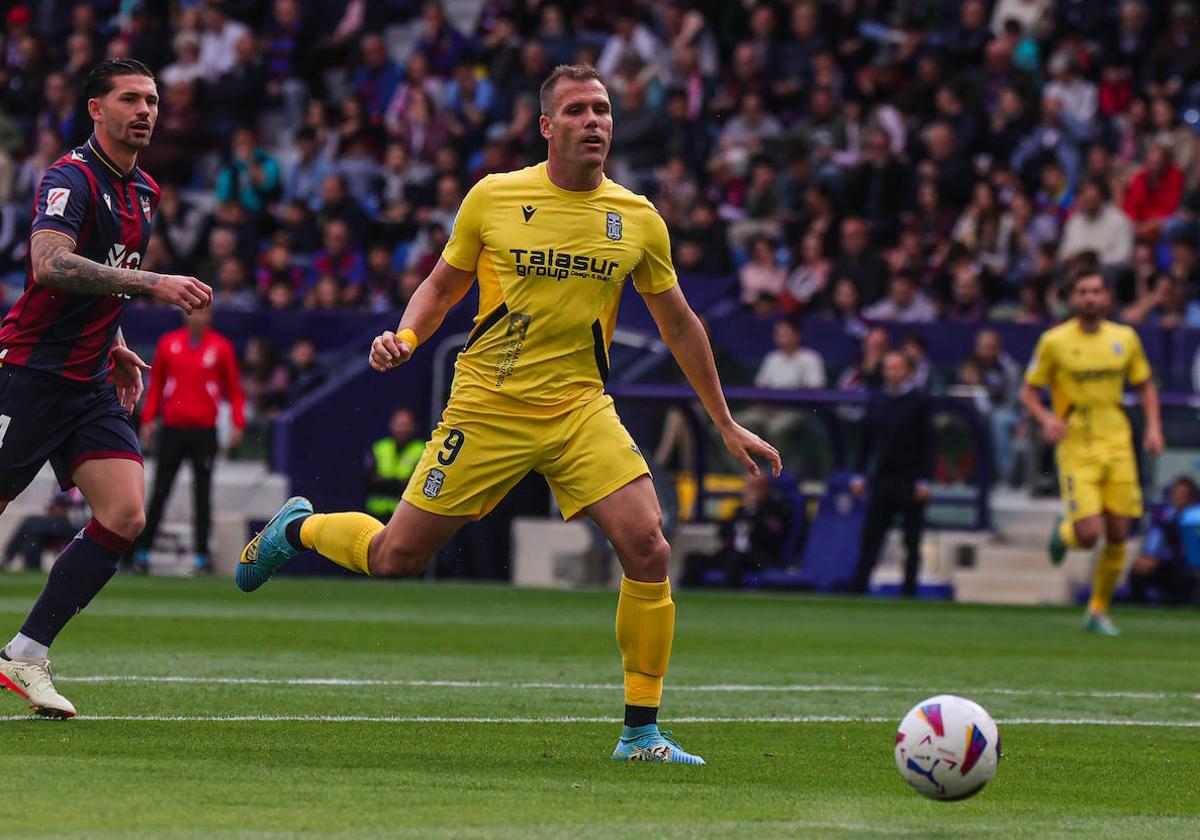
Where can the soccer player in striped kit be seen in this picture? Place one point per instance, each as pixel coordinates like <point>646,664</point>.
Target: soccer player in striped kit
<point>67,380</point>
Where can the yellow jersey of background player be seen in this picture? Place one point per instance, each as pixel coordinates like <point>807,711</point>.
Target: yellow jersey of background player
<point>1085,362</point>
<point>551,246</point>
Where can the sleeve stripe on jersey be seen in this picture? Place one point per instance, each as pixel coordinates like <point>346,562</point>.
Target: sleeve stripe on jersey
<point>56,232</point>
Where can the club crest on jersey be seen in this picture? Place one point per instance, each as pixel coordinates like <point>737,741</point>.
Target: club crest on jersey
<point>56,201</point>
<point>108,201</point>
<point>146,207</point>
<point>612,226</point>
<point>1117,348</point>
<point>433,483</point>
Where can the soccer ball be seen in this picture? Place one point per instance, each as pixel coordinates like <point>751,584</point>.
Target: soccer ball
<point>947,747</point>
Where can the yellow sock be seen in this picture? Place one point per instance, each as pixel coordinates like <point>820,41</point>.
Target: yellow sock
<point>645,628</point>
<point>1108,572</point>
<point>1066,530</point>
<point>342,537</point>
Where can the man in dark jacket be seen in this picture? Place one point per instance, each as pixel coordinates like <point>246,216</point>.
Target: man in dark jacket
<point>899,434</point>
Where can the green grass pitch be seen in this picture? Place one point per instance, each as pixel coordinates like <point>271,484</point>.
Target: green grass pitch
<point>416,710</point>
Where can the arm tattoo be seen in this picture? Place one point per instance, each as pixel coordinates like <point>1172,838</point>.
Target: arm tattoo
<point>56,265</point>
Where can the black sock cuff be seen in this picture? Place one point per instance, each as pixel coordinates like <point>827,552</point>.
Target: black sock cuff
<point>292,532</point>
<point>640,715</point>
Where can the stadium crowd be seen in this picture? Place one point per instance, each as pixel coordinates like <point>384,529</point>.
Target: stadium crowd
<point>869,160</point>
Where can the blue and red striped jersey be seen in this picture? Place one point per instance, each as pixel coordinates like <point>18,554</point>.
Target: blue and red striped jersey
<point>106,215</point>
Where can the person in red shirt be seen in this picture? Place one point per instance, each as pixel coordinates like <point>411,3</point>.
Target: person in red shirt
<point>1154,193</point>
<point>194,368</point>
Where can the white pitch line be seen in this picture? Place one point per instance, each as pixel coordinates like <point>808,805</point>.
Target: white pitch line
<point>555,686</point>
<point>1188,724</point>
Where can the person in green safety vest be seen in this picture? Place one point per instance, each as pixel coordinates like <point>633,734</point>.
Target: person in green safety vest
<point>391,462</point>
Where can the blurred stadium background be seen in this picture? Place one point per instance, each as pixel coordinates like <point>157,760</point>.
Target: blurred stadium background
<point>928,169</point>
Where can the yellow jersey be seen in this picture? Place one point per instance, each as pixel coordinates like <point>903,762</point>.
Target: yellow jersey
<point>550,264</point>
<point>1086,375</point>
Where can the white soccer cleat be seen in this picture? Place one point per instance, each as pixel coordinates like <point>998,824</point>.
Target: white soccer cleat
<point>31,679</point>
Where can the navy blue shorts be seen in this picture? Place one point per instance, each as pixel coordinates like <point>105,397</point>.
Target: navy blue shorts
<point>45,418</point>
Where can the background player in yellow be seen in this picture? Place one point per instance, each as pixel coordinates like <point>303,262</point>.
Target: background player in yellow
<point>551,246</point>
<point>1085,363</point>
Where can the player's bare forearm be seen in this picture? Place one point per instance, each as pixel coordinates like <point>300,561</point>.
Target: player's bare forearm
<point>688,343</point>
<point>1148,397</point>
<point>444,287</point>
<point>56,265</point>
<point>1032,400</point>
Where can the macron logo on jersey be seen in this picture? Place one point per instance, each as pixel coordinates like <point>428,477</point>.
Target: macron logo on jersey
<point>56,201</point>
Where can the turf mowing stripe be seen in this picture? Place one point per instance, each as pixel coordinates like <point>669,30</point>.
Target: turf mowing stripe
<point>1188,724</point>
<point>553,686</point>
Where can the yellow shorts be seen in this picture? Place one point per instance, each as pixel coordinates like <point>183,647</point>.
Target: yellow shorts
<point>479,452</point>
<point>1096,483</point>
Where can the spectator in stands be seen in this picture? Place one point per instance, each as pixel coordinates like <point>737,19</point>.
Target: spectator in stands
<point>789,366</point>
<point>1078,95</point>
<point>377,77</point>
<point>441,45</point>
<point>806,287</point>
<point>306,170</point>
<point>859,262</point>
<point>844,307</point>
<point>340,260</point>
<point>337,203</point>
<point>867,373</point>
<point>264,379</point>
<point>1055,193</point>
<point>1172,135</point>
<point>1099,226</point>
<point>1163,572</point>
<point>751,540</point>
<point>193,371</point>
<point>242,88</point>
<point>187,67</point>
<point>1166,305</point>
<point>1057,138</point>
<point>390,463</point>
<point>234,291</point>
<point>66,512</point>
<point>278,265</point>
<point>979,227</point>
<point>29,173</point>
<point>1184,265</point>
<point>916,351</point>
<point>219,39</point>
<point>250,176</point>
<point>967,303</point>
<point>895,464</point>
<point>946,165</point>
<point>878,187</point>
<point>179,136</point>
<point>905,303</point>
<point>1000,377</point>
<point>304,371</point>
<point>180,222</point>
<point>761,275</point>
<point>1154,193</point>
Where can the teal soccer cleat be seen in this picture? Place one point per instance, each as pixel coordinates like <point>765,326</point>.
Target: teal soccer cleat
<point>646,743</point>
<point>270,548</point>
<point>1100,624</point>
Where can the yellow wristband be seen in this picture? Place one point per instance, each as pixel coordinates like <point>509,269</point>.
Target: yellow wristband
<point>408,337</point>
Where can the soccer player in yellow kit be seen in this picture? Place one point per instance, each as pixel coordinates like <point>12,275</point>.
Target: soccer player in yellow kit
<point>1085,363</point>
<point>551,246</point>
